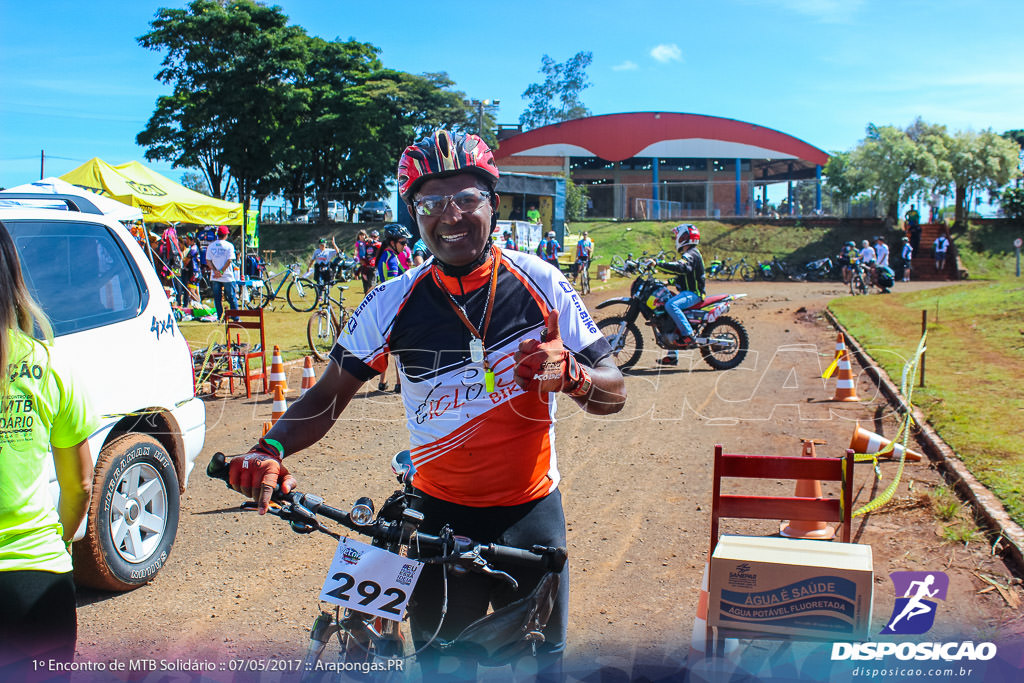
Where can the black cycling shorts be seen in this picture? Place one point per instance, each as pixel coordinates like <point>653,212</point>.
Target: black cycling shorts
<point>39,620</point>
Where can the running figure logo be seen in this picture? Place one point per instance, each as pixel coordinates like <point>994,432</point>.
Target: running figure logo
<point>914,612</point>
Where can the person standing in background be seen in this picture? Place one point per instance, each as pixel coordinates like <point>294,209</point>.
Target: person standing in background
<point>532,214</point>
<point>914,228</point>
<point>906,255</point>
<point>220,256</point>
<point>939,248</point>
<point>881,253</point>
<point>37,590</point>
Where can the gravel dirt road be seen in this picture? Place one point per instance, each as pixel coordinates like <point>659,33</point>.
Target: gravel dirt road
<point>637,487</point>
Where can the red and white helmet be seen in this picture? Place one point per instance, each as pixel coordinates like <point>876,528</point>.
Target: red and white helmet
<point>444,154</point>
<point>686,234</point>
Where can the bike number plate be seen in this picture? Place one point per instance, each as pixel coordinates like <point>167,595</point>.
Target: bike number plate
<point>370,579</point>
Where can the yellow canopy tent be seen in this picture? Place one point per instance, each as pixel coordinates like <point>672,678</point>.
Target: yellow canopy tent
<point>161,199</point>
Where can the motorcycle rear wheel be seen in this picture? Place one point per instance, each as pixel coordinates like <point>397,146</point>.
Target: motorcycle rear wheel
<point>725,356</point>
<point>625,339</point>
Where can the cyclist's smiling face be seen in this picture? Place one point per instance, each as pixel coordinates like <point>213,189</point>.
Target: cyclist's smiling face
<point>455,237</point>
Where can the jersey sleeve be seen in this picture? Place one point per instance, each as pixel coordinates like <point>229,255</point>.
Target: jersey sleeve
<point>362,346</point>
<point>578,329</point>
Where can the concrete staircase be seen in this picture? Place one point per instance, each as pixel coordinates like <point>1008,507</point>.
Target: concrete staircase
<point>923,265</point>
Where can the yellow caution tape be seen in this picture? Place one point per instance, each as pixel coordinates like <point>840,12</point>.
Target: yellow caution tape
<point>903,434</point>
<point>830,369</point>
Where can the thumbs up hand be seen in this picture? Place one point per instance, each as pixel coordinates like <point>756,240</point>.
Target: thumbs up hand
<point>541,365</point>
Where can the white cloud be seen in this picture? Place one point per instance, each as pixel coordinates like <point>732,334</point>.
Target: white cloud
<point>666,53</point>
<point>626,66</point>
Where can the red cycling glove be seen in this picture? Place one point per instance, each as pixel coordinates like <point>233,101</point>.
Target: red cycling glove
<point>258,472</point>
<point>546,365</point>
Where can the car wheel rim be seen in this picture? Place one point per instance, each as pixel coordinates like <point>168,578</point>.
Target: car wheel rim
<point>138,513</point>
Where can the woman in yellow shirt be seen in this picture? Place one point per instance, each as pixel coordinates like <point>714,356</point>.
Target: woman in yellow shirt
<point>42,416</point>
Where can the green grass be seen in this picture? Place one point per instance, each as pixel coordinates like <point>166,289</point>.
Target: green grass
<point>974,369</point>
<point>756,241</point>
<point>284,327</point>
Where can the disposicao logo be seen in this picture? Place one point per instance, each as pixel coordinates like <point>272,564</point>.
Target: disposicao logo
<point>914,612</point>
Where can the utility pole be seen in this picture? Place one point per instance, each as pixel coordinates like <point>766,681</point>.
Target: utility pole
<point>480,105</point>
<point>42,164</point>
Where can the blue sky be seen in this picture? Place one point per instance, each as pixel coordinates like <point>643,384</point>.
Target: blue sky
<point>76,84</point>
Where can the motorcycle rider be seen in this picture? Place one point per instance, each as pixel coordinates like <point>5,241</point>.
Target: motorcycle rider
<point>689,270</point>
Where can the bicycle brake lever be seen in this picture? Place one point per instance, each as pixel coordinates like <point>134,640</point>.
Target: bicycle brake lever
<point>479,564</point>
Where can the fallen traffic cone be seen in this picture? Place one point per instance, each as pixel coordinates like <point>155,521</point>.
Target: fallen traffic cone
<point>277,378</point>
<point>870,443</point>
<point>846,385</point>
<point>840,349</point>
<point>266,427</point>
<point>280,405</point>
<point>308,378</point>
<point>807,488</point>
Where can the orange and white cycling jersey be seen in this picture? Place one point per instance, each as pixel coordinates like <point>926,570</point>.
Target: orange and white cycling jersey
<point>471,446</point>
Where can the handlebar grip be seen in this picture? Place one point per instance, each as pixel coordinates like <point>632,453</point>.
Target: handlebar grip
<point>550,558</point>
<point>218,467</point>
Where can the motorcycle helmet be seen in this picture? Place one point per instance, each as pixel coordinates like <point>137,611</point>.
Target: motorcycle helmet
<point>396,231</point>
<point>686,235</point>
<point>444,154</point>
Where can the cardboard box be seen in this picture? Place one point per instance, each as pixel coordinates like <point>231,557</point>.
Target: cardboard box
<point>803,589</point>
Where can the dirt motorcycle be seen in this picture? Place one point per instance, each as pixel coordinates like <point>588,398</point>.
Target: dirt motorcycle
<point>722,340</point>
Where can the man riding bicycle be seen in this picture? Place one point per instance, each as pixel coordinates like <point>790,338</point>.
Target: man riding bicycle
<point>584,253</point>
<point>500,330</point>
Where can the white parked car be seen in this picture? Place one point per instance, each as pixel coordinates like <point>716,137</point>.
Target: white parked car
<point>111,317</point>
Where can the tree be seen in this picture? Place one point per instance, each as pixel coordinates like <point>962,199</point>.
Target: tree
<point>576,197</point>
<point>895,166</point>
<point>979,161</point>
<point>843,180</point>
<point>195,181</point>
<point>1011,200</point>
<point>558,97</point>
<point>233,67</point>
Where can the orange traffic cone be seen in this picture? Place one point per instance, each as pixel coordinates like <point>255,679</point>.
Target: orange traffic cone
<point>699,637</point>
<point>266,427</point>
<point>840,349</point>
<point>308,377</point>
<point>277,378</point>
<point>280,405</point>
<point>846,384</point>
<point>807,488</point>
<point>864,441</point>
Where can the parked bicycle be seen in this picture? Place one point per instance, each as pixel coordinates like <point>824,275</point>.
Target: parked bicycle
<point>264,292</point>
<point>324,326</point>
<point>304,294</point>
<point>769,270</point>
<point>726,269</point>
<point>631,267</point>
<point>365,637</point>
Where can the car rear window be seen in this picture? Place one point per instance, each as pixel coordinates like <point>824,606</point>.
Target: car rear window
<point>79,272</point>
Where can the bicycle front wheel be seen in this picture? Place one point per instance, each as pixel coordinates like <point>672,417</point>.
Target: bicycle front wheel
<point>321,333</point>
<point>258,296</point>
<point>747,273</point>
<point>302,295</point>
<point>618,265</point>
<point>585,284</point>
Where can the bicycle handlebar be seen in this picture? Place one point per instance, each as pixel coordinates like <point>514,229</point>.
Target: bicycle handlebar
<point>302,509</point>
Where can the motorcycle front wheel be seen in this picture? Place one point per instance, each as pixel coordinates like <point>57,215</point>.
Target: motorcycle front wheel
<point>728,343</point>
<point>625,339</point>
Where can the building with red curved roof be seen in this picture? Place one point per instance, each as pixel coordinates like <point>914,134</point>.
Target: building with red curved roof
<point>665,164</point>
